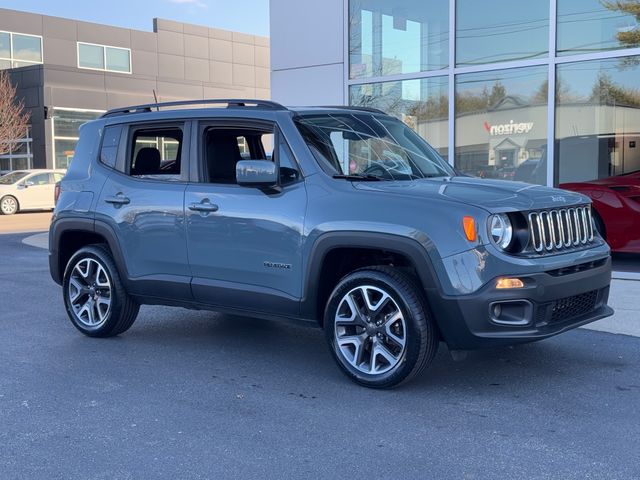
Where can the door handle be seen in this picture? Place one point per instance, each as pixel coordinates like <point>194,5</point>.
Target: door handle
<point>117,200</point>
<point>203,207</point>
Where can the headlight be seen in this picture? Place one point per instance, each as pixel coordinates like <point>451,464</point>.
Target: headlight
<point>501,230</point>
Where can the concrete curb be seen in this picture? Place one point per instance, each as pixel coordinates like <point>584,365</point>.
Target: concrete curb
<point>39,240</point>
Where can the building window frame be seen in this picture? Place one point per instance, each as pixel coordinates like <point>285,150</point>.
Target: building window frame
<point>552,60</point>
<point>104,58</point>
<point>12,58</point>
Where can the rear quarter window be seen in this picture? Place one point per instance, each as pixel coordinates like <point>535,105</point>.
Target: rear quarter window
<point>110,143</point>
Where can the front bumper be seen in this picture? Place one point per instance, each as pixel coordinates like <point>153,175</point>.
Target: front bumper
<point>552,302</point>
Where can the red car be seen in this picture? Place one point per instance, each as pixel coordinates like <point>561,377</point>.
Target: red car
<point>616,201</point>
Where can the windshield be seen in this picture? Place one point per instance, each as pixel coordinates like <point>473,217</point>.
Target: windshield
<point>370,146</point>
<point>13,177</point>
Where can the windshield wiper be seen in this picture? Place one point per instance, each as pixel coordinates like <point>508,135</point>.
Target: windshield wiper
<point>357,176</point>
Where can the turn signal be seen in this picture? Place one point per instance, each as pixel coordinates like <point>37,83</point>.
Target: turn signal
<point>469,225</point>
<point>509,283</point>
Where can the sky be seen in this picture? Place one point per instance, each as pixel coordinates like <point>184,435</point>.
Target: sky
<point>247,16</point>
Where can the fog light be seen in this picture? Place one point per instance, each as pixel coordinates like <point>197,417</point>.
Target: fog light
<point>509,283</point>
<point>514,313</point>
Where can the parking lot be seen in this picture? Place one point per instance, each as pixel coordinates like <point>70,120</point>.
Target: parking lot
<point>188,394</point>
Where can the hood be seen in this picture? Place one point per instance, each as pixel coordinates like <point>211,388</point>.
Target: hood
<point>492,195</point>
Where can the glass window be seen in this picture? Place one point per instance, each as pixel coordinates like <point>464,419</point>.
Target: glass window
<point>118,59</point>
<point>90,56</point>
<point>369,145</point>
<point>27,48</point>
<point>402,36</point>
<point>19,154</point>
<point>267,140</point>
<point>101,57</point>
<point>499,30</point>
<point>501,124</point>
<point>40,179</point>
<point>423,104</point>
<point>156,153</point>
<point>66,130</point>
<point>5,45</point>
<point>597,119</point>
<point>67,122</point>
<point>11,178</point>
<point>110,142</point>
<point>594,25</point>
<point>288,170</point>
<point>64,151</point>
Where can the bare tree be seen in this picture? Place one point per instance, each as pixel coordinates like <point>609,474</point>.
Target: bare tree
<point>13,117</point>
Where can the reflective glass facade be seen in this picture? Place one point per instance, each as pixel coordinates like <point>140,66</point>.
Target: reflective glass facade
<point>66,131</point>
<point>598,119</point>
<point>423,104</point>
<point>101,57</point>
<point>498,30</point>
<point>19,50</point>
<point>596,25</point>
<point>482,89</point>
<point>501,123</point>
<point>402,36</point>
<point>20,154</point>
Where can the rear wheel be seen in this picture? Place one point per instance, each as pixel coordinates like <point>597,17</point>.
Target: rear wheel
<point>8,205</point>
<point>94,296</point>
<point>378,327</point>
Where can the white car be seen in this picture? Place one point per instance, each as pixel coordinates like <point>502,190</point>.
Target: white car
<point>28,190</point>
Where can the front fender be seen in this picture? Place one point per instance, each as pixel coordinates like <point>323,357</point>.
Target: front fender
<point>421,252</point>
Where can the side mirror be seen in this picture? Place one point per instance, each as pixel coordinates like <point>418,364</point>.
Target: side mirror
<point>29,183</point>
<point>257,173</point>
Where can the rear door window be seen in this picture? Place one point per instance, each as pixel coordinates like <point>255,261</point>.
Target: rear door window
<point>156,153</point>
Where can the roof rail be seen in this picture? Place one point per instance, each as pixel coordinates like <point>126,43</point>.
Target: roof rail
<point>230,102</point>
<point>355,107</point>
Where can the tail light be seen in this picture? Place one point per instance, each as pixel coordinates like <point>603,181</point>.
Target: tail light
<point>56,193</point>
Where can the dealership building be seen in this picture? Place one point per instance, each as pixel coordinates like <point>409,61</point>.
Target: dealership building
<point>68,72</point>
<point>472,77</point>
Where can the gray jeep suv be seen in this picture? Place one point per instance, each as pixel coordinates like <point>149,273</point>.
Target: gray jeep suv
<point>339,215</point>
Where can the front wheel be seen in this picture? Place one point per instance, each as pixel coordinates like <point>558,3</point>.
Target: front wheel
<point>378,327</point>
<point>8,205</point>
<point>94,296</point>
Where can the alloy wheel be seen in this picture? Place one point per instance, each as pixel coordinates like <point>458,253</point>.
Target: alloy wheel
<point>9,205</point>
<point>370,330</point>
<point>90,292</point>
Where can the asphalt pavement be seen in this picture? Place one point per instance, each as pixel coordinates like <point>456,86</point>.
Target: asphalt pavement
<point>198,395</point>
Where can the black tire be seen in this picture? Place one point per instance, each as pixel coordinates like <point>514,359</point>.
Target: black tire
<point>4,210</point>
<point>420,336</point>
<point>122,310</point>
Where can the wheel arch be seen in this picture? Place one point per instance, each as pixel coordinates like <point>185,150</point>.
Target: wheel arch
<point>335,254</point>
<point>68,235</point>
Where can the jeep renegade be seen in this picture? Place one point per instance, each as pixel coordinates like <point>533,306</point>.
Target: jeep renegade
<point>339,215</point>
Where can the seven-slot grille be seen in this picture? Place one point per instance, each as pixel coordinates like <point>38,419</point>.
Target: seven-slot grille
<point>560,229</point>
